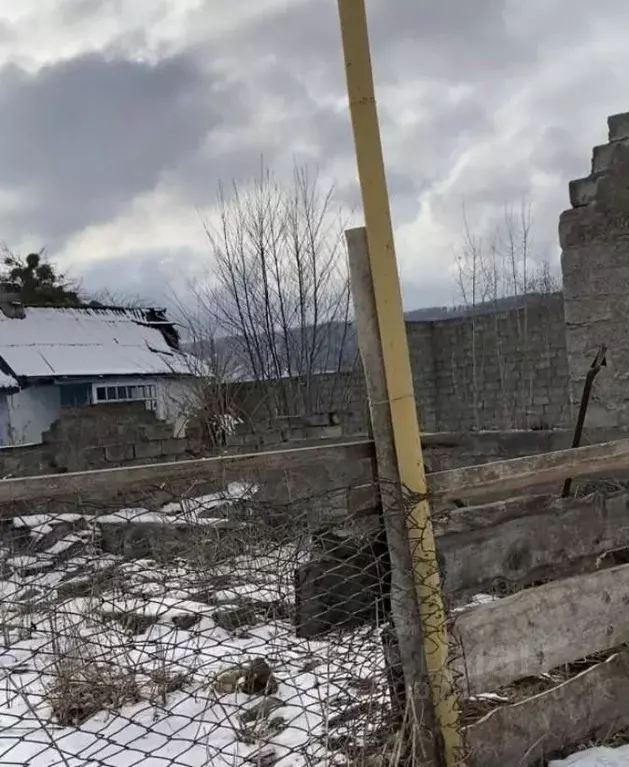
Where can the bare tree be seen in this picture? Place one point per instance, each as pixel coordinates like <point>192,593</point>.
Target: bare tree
<point>500,276</point>
<point>278,291</point>
<point>474,289</point>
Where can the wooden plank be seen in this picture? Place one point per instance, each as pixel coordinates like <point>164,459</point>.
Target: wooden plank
<point>549,725</point>
<point>87,483</point>
<point>518,540</point>
<point>536,630</point>
<point>505,544</point>
<point>526,539</point>
<point>468,519</point>
<point>501,477</point>
<point>405,607</point>
<point>520,474</point>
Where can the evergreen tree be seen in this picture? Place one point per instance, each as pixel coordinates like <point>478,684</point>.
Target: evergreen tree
<point>38,281</point>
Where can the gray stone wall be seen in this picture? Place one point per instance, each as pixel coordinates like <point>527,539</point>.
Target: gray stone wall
<point>506,370</point>
<point>594,237</point>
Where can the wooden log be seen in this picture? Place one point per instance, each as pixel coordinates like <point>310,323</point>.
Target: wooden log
<point>523,540</point>
<point>469,519</point>
<point>589,706</point>
<point>88,483</point>
<point>388,441</point>
<point>536,630</point>
<point>518,474</point>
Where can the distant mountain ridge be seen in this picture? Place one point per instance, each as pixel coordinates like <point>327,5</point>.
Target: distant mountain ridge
<point>505,304</point>
<point>335,347</point>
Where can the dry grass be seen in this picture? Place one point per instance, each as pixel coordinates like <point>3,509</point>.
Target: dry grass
<point>80,689</point>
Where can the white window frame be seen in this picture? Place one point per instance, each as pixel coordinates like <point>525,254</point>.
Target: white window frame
<point>125,391</point>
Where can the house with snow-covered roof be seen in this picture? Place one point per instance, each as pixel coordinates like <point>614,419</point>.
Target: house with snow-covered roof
<point>51,358</point>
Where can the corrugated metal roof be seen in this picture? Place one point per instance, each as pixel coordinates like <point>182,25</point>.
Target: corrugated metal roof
<point>51,342</point>
<point>7,382</point>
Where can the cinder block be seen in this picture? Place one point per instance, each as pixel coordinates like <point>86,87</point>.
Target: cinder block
<point>144,450</point>
<point>618,126</point>
<point>583,191</point>
<point>604,156</point>
<point>119,453</point>
<point>174,446</point>
<point>323,432</point>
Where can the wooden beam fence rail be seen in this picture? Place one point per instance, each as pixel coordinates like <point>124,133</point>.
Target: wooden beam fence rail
<point>522,541</point>
<point>86,483</point>
<point>517,541</point>
<point>536,630</point>
<point>470,482</point>
<point>551,724</point>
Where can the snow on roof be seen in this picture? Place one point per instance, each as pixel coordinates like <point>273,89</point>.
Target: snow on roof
<point>7,382</point>
<point>51,342</point>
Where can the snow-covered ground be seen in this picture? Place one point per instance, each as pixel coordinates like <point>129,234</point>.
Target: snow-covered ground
<point>169,648</point>
<point>116,662</point>
<point>596,757</point>
<point>206,718</point>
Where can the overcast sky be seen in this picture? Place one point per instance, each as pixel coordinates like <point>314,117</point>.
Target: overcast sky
<point>118,118</point>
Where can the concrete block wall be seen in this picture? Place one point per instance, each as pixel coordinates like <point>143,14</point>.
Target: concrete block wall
<point>594,237</point>
<point>506,370</point>
<point>276,432</point>
<point>258,403</point>
<point>499,370</point>
<point>96,438</point>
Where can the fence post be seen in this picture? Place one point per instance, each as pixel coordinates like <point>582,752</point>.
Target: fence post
<point>416,601</point>
<point>384,348</point>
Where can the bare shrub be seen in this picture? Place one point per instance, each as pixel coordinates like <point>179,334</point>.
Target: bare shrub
<point>80,688</point>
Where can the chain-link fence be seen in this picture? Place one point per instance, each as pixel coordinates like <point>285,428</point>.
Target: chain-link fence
<point>259,618</point>
<point>233,623</point>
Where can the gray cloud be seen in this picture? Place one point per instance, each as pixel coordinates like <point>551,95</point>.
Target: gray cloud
<point>478,101</point>
<point>155,277</point>
<point>80,139</point>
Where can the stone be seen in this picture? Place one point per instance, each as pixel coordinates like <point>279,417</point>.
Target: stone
<point>618,126</point>
<point>258,679</point>
<point>228,680</point>
<point>85,585</point>
<point>186,621</point>
<point>252,678</point>
<point>266,756</point>
<point>237,617</point>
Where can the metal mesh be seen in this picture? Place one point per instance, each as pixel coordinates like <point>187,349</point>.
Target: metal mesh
<point>186,625</point>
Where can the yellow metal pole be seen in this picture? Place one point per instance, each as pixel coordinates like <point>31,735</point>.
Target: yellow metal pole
<point>399,381</point>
